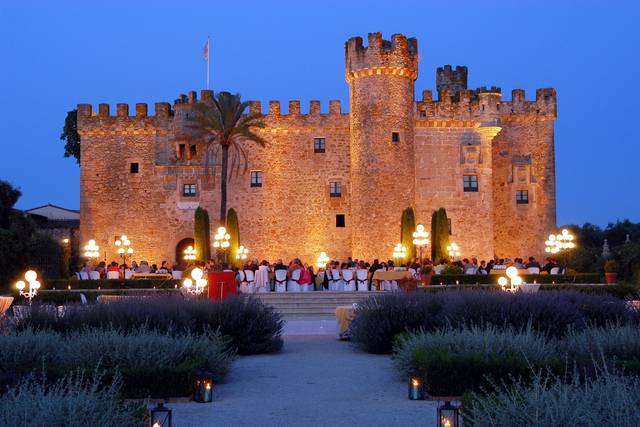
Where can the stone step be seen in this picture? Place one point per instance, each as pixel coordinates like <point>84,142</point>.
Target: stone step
<point>314,305</point>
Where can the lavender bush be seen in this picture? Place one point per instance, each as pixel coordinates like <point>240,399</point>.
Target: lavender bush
<point>608,399</point>
<point>380,318</point>
<point>74,401</point>
<point>614,340</point>
<point>252,326</point>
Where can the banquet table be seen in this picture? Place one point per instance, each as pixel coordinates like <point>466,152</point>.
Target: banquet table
<point>344,316</point>
<point>391,275</point>
<point>5,303</point>
<point>151,276</point>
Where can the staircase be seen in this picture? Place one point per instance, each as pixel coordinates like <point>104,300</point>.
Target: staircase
<point>310,305</point>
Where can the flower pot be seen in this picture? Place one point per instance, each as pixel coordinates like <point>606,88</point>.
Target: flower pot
<point>610,277</point>
<point>426,279</point>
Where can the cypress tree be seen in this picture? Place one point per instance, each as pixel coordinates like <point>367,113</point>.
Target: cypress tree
<point>201,235</point>
<point>407,227</point>
<point>233,228</point>
<point>440,235</point>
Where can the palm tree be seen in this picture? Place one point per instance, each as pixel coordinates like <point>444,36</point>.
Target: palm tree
<point>224,128</point>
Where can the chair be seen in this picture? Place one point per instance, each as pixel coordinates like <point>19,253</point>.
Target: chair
<point>251,281</point>
<point>128,274</point>
<point>242,278</point>
<point>414,273</point>
<point>83,299</point>
<point>335,282</point>
<point>84,275</point>
<point>349,281</point>
<point>176,275</point>
<point>113,275</point>
<point>361,279</point>
<point>292,284</point>
<point>555,270</point>
<point>470,271</point>
<point>281,280</point>
<point>533,270</point>
<point>94,275</point>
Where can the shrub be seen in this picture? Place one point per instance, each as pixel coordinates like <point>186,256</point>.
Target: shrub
<point>73,401</point>
<point>252,326</point>
<point>454,361</point>
<point>618,341</point>
<point>378,320</point>
<point>548,400</point>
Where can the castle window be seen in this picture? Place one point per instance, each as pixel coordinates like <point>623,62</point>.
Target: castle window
<point>423,113</point>
<point>193,150</point>
<point>189,190</point>
<point>395,137</point>
<point>182,149</point>
<point>470,183</point>
<point>335,189</point>
<point>134,168</point>
<point>522,197</point>
<point>256,178</point>
<point>340,221</point>
<point>319,145</point>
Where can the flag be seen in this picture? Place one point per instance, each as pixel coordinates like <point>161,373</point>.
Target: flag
<point>205,50</point>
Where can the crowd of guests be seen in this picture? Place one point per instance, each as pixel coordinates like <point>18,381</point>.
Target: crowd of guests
<point>261,275</point>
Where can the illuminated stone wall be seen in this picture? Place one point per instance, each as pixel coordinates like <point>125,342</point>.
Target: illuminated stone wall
<point>508,145</point>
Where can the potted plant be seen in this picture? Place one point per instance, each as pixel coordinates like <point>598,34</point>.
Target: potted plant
<point>610,271</point>
<point>426,273</point>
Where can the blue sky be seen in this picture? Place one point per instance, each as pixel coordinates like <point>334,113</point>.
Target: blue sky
<point>57,54</point>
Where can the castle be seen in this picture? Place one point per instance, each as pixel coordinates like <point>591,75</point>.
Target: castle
<point>334,181</point>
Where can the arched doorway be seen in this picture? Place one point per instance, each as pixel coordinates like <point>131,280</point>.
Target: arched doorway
<point>181,246</point>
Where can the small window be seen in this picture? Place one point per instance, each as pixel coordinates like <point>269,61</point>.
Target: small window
<point>134,168</point>
<point>522,197</point>
<point>395,137</point>
<point>182,149</point>
<point>340,223</point>
<point>423,113</point>
<point>470,183</point>
<point>189,190</point>
<point>256,178</point>
<point>335,189</point>
<point>193,150</point>
<point>319,145</point>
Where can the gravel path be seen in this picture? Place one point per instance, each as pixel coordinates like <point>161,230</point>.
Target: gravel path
<point>315,381</point>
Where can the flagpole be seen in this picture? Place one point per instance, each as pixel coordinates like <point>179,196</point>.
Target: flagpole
<point>208,61</point>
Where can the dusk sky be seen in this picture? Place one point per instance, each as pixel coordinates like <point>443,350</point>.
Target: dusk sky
<point>55,55</point>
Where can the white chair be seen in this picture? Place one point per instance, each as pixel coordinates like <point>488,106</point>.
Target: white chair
<point>242,278</point>
<point>83,299</point>
<point>533,270</point>
<point>94,275</point>
<point>414,273</point>
<point>361,278</point>
<point>389,285</point>
<point>470,271</point>
<point>349,281</point>
<point>251,281</point>
<point>128,274</point>
<point>281,280</point>
<point>176,275</point>
<point>335,281</point>
<point>292,284</point>
<point>555,270</point>
<point>84,275</point>
<point>113,275</point>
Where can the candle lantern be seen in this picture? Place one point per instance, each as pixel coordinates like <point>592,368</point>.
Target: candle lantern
<point>416,387</point>
<point>160,416</point>
<point>203,387</point>
<point>448,415</point>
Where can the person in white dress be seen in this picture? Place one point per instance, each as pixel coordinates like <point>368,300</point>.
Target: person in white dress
<point>262,277</point>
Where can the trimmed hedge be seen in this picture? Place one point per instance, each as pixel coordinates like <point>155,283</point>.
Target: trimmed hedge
<point>62,284</point>
<point>492,279</point>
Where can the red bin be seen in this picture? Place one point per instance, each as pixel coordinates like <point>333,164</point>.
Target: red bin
<point>222,284</point>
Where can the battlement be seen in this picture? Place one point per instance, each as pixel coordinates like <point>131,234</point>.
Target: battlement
<point>485,103</point>
<point>452,80</point>
<point>398,56</point>
<point>294,110</point>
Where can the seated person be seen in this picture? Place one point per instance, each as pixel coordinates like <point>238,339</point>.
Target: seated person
<point>438,269</point>
<point>143,268</point>
<point>113,267</point>
<point>532,263</point>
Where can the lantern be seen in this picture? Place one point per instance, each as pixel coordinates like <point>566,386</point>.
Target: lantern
<point>448,415</point>
<point>202,387</point>
<point>160,416</point>
<point>416,387</point>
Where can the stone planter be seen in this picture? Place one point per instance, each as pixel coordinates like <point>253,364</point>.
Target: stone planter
<point>425,279</point>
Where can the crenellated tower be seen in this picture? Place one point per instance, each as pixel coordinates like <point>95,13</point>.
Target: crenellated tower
<point>381,79</point>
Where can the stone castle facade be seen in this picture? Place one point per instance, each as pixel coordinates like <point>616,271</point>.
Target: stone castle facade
<point>329,180</point>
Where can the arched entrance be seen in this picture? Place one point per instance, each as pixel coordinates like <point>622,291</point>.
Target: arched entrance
<point>181,246</point>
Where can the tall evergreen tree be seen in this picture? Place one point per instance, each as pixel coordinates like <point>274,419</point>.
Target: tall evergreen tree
<point>439,235</point>
<point>201,235</point>
<point>233,228</point>
<point>70,136</point>
<point>407,227</point>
